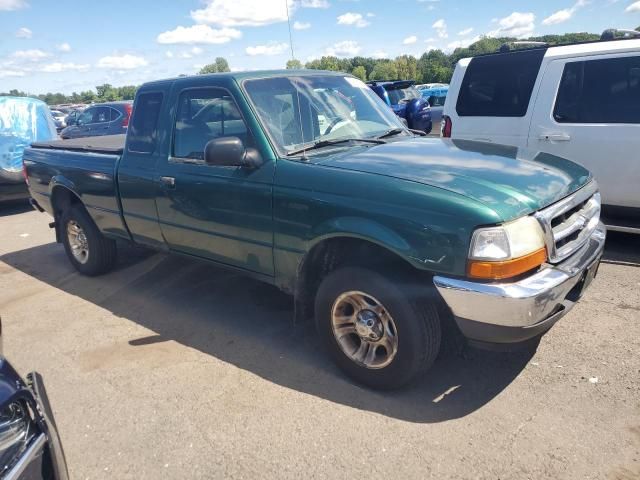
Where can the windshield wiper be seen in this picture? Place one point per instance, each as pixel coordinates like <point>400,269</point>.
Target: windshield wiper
<point>328,143</point>
<point>391,133</point>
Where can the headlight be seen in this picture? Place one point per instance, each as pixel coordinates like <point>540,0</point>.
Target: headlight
<point>506,251</point>
<point>15,434</point>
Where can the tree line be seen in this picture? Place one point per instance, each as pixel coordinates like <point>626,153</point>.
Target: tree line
<point>434,66</point>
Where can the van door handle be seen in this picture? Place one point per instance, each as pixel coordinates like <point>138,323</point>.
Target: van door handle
<point>168,182</point>
<point>554,137</point>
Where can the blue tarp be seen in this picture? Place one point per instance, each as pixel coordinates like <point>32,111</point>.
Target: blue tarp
<point>22,122</point>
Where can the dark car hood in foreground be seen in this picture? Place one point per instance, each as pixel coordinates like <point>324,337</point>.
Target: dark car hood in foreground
<point>511,181</point>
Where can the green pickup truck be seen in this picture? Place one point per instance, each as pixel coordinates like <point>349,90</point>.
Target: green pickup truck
<point>306,180</point>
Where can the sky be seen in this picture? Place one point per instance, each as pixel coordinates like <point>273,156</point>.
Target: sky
<point>65,46</point>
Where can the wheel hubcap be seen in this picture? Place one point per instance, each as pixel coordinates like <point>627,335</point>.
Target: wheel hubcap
<point>78,242</point>
<point>364,330</point>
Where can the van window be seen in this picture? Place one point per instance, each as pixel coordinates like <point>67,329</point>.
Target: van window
<point>205,114</point>
<point>499,85</point>
<point>142,134</point>
<point>599,91</point>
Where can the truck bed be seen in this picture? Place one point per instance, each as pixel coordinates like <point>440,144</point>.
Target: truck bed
<point>110,144</point>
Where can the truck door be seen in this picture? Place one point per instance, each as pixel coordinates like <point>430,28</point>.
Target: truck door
<point>216,212</point>
<point>588,111</point>
<point>137,175</point>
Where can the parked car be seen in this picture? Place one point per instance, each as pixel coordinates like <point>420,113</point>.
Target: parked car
<point>30,448</point>
<point>437,107</point>
<point>22,120</point>
<point>103,119</point>
<point>383,235</point>
<point>59,118</point>
<point>406,102</point>
<point>433,89</point>
<point>580,101</point>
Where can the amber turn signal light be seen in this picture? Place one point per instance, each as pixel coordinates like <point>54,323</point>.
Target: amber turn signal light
<point>508,268</point>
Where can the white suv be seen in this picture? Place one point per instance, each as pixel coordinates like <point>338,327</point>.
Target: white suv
<point>580,102</point>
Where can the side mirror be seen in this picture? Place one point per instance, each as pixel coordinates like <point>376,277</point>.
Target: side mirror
<point>231,152</point>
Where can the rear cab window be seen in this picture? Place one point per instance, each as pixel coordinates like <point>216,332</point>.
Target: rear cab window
<point>143,130</point>
<point>499,85</point>
<point>599,91</point>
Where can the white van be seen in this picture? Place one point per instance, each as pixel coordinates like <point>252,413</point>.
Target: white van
<point>580,102</point>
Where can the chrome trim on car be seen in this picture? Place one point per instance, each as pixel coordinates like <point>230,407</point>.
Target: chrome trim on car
<point>27,457</point>
<point>583,222</point>
<point>525,302</point>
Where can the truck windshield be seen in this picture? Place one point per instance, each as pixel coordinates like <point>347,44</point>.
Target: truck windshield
<point>296,111</point>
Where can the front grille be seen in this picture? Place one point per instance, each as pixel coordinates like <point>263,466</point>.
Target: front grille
<point>569,223</point>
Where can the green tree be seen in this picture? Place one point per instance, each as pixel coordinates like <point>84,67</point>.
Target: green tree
<point>434,66</point>
<point>384,70</point>
<point>360,72</point>
<point>407,67</point>
<point>220,65</point>
<point>294,64</point>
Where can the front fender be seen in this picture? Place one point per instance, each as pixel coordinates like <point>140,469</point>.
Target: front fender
<point>363,229</point>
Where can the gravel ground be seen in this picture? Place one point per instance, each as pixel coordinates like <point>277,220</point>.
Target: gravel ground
<point>168,368</point>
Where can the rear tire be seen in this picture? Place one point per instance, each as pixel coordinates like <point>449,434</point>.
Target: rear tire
<point>89,251</point>
<point>359,340</point>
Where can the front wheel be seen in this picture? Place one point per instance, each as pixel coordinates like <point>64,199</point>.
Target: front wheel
<point>90,252</point>
<point>374,329</point>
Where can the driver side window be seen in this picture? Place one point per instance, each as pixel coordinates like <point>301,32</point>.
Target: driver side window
<point>203,115</point>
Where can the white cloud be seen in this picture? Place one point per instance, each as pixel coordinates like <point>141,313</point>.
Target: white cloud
<point>10,73</point>
<point>245,13</point>
<point>24,32</point>
<point>13,5</point>
<point>63,47</point>
<point>57,67</point>
<point>346,48</point>
<point>301,25</point>
<point>466,31</point>
<point>354,19</point>
<point>517,25</point>
<point>30,55</point>
<point>410,40</point>
<point>202,34</point>
<point>271,49</point>
<point>380,54</point>
<point>440,26</point>
<point>634,7</point>
<point>465,42</point>
<point>122,62</point>
<point>168,54</point>
<point>371,14</point>
<point>565,14</point>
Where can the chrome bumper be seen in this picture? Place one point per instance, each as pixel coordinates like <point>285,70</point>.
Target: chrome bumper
<point>538,300</point>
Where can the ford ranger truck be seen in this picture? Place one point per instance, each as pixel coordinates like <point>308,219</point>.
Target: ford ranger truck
<point>385,237</point>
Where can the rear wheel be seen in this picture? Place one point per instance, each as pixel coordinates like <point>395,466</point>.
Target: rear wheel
<point>90,252</point>
<point>373,328</point>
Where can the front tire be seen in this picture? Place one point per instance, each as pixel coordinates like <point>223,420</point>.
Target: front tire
<point>375,329</point>
<point>89,251</point>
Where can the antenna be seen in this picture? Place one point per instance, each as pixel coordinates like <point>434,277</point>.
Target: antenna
<point>286,4</point>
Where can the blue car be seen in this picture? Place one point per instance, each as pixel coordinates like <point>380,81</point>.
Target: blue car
<point>406,102</point>
<point>102,119</point>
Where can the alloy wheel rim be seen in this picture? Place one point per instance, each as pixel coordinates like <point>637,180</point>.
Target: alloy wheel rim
<point>364,329</point>
<point>78,242</point>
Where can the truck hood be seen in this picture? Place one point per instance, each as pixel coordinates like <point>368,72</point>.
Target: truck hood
<point>511,181</point>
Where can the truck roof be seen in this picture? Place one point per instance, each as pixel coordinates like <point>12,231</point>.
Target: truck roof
<point>240,76</point>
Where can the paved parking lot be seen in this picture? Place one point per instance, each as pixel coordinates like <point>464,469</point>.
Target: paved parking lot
<point>168,368</point>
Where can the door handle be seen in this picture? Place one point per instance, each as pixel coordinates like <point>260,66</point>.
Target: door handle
<point>554,137</point>
<point>168,182</point>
